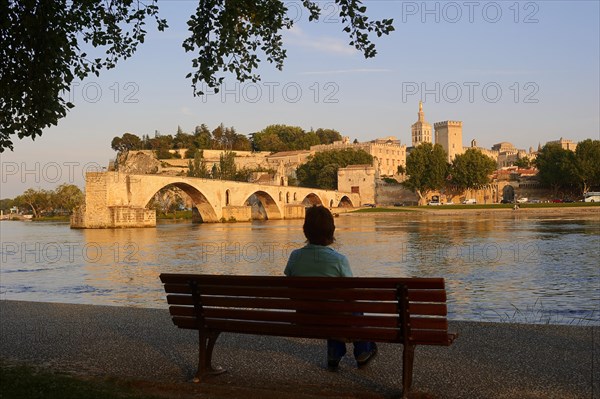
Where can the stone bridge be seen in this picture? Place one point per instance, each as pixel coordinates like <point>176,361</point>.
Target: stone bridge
<point>114,199</point>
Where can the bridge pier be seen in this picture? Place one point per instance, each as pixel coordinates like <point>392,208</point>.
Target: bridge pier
<point>99,213</point>
<point>237,214</point>
<point>293,212</point>
<point>122,216</point>
<point>196,216</point>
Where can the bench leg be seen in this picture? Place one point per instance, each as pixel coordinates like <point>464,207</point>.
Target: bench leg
<point>205,368</point>
<point>408,356</point>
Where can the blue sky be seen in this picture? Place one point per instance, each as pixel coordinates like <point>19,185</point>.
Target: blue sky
<point>524,72</point>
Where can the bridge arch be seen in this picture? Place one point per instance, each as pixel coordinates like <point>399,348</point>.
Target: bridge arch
<point>269,204</point>
<point>312,199</point>
<point>345,202</point>
<point>205,209</point>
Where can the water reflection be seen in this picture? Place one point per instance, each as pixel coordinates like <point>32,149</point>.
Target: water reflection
<point>517,268</point>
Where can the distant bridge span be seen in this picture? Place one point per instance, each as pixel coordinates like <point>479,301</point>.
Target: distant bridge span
<point>114,199</point>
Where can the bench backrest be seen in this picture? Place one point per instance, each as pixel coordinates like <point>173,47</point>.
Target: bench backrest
<point>377,309</point>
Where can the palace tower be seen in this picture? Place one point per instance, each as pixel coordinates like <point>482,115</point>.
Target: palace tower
<point>449,135</point>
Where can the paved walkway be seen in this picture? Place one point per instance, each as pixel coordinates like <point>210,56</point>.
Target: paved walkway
<point>486,361</point>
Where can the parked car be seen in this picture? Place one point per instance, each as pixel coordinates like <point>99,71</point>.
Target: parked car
<point>557,200</point>
<point>568,200</point>
<point>522,200</point>
<point>470,201</point>
<point>505,201</point>
<point>449,203</point>
<point>435,200</point>
<point>534,201</point>
<point>399,204</point>
<point>370,205</point>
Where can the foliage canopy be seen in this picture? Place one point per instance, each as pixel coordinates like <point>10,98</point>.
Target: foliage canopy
<point>276,138</point>
<point>587,167</point>
<point>427,169</point>
<point>556,166</point>
<point>321,169</point>
<point>43,47</point>
<point>472,169</point>
<point>64,198</point>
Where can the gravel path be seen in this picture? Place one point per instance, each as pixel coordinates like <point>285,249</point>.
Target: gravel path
<point>488,360</point>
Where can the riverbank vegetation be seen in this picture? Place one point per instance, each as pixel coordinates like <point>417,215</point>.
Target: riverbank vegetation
<point>185,214</point>
<point>42,203</point>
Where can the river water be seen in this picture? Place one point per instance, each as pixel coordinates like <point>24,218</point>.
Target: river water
<point>526,268</point>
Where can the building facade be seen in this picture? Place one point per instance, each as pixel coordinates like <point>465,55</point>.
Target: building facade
<point>388,153</point>
<point>564,144</point>
<point>358,179</point>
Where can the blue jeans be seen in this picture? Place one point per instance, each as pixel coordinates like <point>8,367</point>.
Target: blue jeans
<point>336,349</point>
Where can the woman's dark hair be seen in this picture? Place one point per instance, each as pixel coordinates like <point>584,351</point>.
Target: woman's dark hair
<point>318,225</point>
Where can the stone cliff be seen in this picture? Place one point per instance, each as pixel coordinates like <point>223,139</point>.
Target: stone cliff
<point>138,162</point>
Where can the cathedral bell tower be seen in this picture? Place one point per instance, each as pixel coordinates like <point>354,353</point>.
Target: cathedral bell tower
<point>421,130</point>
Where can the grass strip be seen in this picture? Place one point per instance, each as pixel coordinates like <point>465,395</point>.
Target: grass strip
<point>381,210</point>
<point>510,206</point>
<point>20,381</point>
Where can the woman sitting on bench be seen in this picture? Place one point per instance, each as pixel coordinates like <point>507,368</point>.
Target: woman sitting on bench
<point>317,259</point>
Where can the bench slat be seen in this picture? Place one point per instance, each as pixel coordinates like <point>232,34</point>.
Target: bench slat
<point>429,323</point>
<point>417,323</point>
<point>301,305</point>
<point>306,282</point>
<point>262,303</point>
<point>430,309</point>
<point>291,330</point>
<point>290,317</point>
<point>434,295</point>
<point>283,292</point>
<point>380,294</point>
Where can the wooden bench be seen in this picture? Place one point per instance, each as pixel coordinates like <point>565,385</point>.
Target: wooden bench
<point>410,311</point>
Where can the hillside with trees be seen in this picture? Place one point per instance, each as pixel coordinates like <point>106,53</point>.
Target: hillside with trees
<point>273,138</point>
